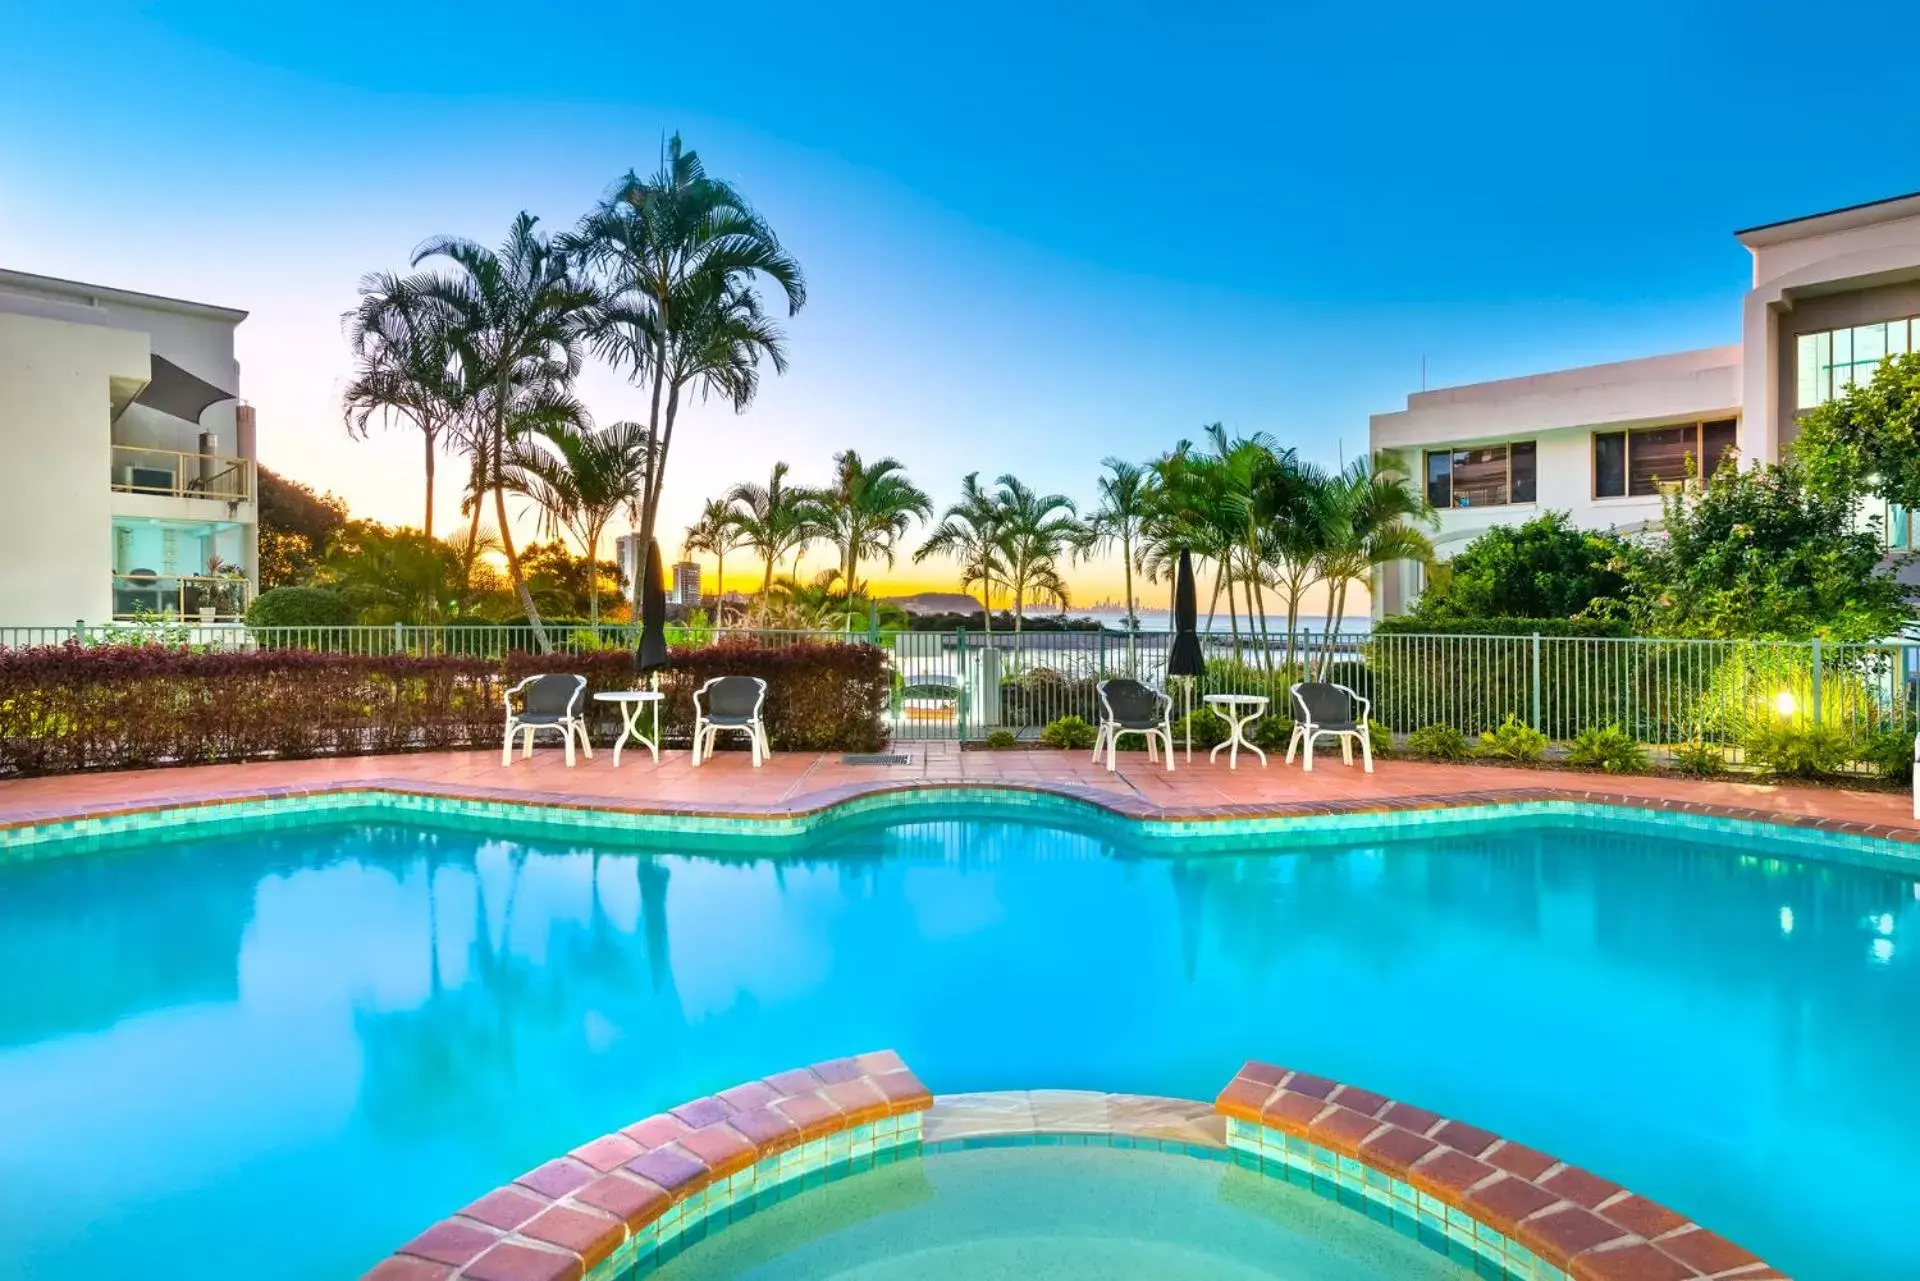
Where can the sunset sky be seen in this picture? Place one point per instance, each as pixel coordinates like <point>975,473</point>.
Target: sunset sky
<point>1034,235</point>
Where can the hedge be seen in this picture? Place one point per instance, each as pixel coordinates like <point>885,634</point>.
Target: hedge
<point>72,707</point>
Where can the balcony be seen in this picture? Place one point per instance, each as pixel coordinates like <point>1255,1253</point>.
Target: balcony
<point>171,474</point>
<point>208,598</point>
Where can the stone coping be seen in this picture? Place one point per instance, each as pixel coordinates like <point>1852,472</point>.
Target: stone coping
<point>44,824</point>
<point>1518,1207</point>
<point>625,1199</point>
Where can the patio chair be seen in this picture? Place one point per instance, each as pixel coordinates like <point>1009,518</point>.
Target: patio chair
<point>547,702</point>
<point>1128,707</point>
<point>730,703</point>
<point>1322,708</point>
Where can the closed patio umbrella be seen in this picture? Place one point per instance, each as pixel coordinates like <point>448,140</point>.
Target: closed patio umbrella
<point>651,654</point>
<point>1185,658</point>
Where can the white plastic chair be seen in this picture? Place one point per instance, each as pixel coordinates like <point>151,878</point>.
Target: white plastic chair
<point>547,702</point>
<point>1324,709</point>
<point>730,703</point>
<point>1128,707</point>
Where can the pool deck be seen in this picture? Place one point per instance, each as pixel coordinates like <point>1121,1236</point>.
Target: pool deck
<point>804,782</point>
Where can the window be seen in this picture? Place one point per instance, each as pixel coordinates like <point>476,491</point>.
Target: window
<point>1490,476</point>
<point>1827,363</point>
<point>1644,463</point>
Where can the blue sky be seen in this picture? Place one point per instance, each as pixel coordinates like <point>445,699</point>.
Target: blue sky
<point>1035,235</point>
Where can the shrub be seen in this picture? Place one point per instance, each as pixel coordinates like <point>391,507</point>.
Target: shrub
<point>1270,733</point>
<point>1380,738</point>
<point>1439,742</point>
<point>1608,748</point>
<point>71,707</point>
<point>1001,739</point>
<point>1069,733</point>
<point>299,607</point>
<point>1700,760</point>
<point>1514,740</point>
<point>1890,753</point>
<point>1208,729</point>
<point>821,696</point>
<point>1798,751</point>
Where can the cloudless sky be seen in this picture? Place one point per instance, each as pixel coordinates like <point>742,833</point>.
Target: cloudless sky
<point>1035,235</point>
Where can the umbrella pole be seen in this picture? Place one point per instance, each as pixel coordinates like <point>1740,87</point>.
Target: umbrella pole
<point>1189,720</point>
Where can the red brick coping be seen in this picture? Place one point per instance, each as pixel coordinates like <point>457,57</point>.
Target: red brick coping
<point>560,1221</point>
<point>821,801</point>
<point>1574,1220</point>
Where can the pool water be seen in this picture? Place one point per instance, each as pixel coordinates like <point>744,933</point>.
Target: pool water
<point>283,1054</point>
<point>1059,1214</point>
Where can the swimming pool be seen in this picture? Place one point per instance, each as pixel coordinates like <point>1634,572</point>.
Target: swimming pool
<point>1062,1214</point>
<point>349,1030</point>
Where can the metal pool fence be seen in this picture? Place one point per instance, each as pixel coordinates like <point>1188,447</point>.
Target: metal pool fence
<point>966,684</point>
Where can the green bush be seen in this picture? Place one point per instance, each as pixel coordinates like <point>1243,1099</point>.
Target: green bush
<point>1380,738</point>
<point>1608,748</point>
<point>1001,739</point>
<point>1799,751</point>
<point>1439,742</point>
<point>1700,760</point>
<point>1208,729</point>
<point>1069,733</point>
<point>1270,733</point>
<point>1890,753</point>
<point>1513,740</point>
<point>299,607</point>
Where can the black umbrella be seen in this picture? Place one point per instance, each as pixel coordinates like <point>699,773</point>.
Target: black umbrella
<point>652,652</point>
<point>1185,658</point>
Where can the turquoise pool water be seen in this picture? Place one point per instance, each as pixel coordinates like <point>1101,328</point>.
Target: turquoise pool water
<point>281,1054</point>
<point>1059,1214</point>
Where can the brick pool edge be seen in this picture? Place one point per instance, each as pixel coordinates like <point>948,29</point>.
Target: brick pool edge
<point>629,1199</point>
<point>1530,1214</point>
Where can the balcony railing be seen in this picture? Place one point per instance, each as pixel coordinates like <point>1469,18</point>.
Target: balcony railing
<point>185,596</point>
<point>170,473</point>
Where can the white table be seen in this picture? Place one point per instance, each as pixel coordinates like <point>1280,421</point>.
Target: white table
<point>1238,711</point>
<point>631,701</point>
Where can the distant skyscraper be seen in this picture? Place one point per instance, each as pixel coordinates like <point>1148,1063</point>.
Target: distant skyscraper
<point>627,555</point>
<point>686,583</point>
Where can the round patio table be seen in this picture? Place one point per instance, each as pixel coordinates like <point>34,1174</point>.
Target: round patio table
<point>1238,711</point>
<point>630,702</point>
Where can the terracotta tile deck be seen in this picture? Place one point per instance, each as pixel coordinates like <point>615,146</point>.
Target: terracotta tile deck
<point>795,782</point>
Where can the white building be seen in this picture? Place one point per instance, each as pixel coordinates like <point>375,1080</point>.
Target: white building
<point>1833,294</point>
<point>129,484</point>
<point>686,583</point>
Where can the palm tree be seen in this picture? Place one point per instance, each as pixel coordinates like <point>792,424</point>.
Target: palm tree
<point>679,254</point>
<point>1035,530</point>
<point>407,369</point>
<point>1127,498</point>
<point>772,519</point>
<point>1372,509</point>
<point>969,531</point>
<point>580,477</point>
<point>866,511</point>
<point>716,533</point>
<point>516,317</point>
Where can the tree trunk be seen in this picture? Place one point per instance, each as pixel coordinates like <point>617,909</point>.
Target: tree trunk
<point>506,535</point>
<point>426,525</point>
<point>1126,555</point>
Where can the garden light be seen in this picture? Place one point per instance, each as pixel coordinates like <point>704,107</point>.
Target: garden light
<point>1783,702</point>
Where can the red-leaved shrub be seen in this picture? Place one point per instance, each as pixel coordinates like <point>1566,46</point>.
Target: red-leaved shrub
<point>71,707</point>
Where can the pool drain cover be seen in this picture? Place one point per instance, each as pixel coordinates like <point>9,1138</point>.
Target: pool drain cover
<point>875,758</point>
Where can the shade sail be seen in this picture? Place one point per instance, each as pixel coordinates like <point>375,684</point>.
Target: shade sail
<point>1185,658</point>
<point>175,392</point>
<point>652,652</point>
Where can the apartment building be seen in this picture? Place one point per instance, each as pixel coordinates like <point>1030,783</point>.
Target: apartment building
<point>1832,295</point>
<point>129,489</point>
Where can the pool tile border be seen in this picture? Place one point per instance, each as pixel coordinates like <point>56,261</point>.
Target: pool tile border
<point>1467,1192</point>
<point>1183,829</point>
<point>624,1204</point>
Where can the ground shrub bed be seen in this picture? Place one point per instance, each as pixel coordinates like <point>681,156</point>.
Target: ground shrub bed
<point>71,707</point>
